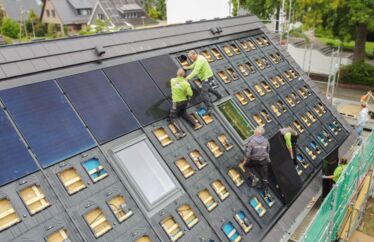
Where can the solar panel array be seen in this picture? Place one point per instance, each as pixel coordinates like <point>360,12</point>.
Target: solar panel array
<point>74,124</point>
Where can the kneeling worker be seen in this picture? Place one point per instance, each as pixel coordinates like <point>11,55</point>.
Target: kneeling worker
<point>257,157</point>
<point>290,137</point>
<point>202,69</point>
<point>180,93</point>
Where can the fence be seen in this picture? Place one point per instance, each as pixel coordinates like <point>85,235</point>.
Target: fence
<point>342,198</point>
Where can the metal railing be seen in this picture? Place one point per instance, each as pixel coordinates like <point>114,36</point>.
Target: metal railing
<point>338,216</point>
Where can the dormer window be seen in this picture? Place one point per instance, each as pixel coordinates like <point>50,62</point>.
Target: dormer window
<point>84,12</point>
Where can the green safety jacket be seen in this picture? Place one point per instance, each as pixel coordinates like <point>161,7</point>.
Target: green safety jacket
<point>337,172</point>
<point>180,89</point>
<point>200,68</point>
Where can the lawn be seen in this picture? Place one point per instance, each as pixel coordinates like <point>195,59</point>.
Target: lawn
<point>369,48</point>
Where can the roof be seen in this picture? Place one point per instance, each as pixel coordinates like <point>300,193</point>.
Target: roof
<point>67,10</point>
<point>81,4</point>
<point>45,56</point>
<point>127,88</point>
<point>14,8</point>
<point>114,9</point>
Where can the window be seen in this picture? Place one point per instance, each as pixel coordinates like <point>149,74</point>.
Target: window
<point>214,148</point>
<point>34,199</point>
<point>172,228</point>
<point>184,167</point>
<point>100,16</point>
<point>96,171</point>
<point>71,180</point>
<point>197,159</point>
<point>119,207</point>
<point>256,205</point>
<point>243,221</point>
<point>207,55</point>
<point>231,232</point>
<point>53,13</point>
<point>217,54</point>
<point>235,177</point>
<point>188,215</point>
<point>59,235</point>
<point>8,216</point>
<point>145,170</point>
<point>220,189</point>
<point>162,136</point>
<point>144,238</point>
<point>48,13</point>
<point>236,119</point>
<point>83,12</point>
<point>98,222</point>
<point>207,199</point>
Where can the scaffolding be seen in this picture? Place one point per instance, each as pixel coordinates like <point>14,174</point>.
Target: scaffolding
<point>342,209</point>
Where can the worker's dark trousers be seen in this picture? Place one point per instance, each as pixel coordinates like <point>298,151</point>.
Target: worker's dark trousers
<point>261,166</point>
<point>205,90</point>
<point>294,142</point>
<point>177,110</point>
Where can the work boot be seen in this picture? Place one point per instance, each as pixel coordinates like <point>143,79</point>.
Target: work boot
<point>299,171</point>
<point>208,111</point>
<point>254,181</point>
<point>219,97</point>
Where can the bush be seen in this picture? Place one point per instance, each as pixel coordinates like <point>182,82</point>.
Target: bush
<point>10,28</point>
<point>359,73</point>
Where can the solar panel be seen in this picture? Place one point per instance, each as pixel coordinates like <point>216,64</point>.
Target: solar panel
<point>48,123</point>
<point>100,107</point>
<point>15,160</point>
<point>139,92</point>
<point>161,69</point>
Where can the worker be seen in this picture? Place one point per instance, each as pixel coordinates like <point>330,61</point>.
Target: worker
<point>290,137</point>
<point>362,117</point>
<point>201,68</point>
<point>365,98</point>
<point>338,170</point>
<point>180,93</point>
<point>257,157</point>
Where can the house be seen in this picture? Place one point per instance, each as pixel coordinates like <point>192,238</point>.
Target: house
<point>19,10</point>
<point>120,13</point>
<point>71,13</point>
<point>181,11</point>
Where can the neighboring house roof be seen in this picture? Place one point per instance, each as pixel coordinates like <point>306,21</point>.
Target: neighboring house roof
<point>82,4</point>
<point>115,10</point>
<point>14,8</point>
<point>67,10</point>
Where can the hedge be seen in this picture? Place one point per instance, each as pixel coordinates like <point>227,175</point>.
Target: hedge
<point>359,73</point>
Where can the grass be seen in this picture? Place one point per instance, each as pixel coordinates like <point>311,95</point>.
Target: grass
<point>369,47</point>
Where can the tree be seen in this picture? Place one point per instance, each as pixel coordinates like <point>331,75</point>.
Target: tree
<point>34,25</point>
<point>235,7</point>
<point>10,28</point>
<point>264,9</point>
<point>362,14</point>
<point>161,8</point>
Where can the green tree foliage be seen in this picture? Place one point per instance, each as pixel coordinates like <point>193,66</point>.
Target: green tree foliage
<point>342,19</point>
<point>161,8</point>
<point>264,9</point>
<point>359,73</point>
<point>235,7</point>
<point>101,25</point>
<point>33,24</point>
<point>10,28</point>
<point>156,9</point>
